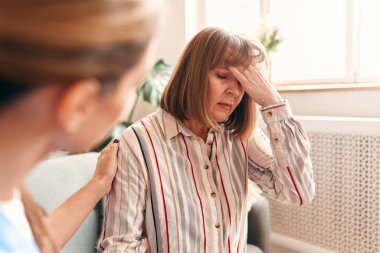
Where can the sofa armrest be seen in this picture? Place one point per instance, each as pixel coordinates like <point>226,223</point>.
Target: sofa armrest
<point>259,225</point>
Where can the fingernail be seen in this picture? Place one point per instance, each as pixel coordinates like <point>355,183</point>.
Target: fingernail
<point>116,141</point>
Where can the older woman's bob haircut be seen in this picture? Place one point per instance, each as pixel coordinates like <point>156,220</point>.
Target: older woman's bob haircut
<point>186,94</point>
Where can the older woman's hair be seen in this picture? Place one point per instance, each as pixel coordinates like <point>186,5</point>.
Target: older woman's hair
<point>187,92</point>
<point>61,41</point>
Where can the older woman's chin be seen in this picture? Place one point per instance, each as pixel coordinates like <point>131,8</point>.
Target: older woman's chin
<point>221,120</point>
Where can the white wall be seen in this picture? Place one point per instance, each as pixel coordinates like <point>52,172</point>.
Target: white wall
<point>344,103</point>
<point>172,36</point>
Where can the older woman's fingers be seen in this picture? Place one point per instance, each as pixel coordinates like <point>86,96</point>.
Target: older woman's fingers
<point>238,74</point>
<point>247,73</point>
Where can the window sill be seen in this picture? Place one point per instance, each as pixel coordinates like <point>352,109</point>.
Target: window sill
<point>327,87</point>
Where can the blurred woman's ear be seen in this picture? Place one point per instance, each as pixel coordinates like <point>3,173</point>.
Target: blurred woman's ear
<point>75,103</point>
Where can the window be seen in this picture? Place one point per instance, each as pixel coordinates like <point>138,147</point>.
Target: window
<point>324,41</point>
<point>314,39</point>
<point>369,67</point>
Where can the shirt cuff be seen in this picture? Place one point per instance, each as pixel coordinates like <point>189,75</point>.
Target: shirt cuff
<point>276,112</point>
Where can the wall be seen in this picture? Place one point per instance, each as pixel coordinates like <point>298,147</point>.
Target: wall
<point>172,36</point>
<point>345,103</point>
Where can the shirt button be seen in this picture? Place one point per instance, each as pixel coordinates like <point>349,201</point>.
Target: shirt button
<point>213,195</point>
<point>217,225</point>
<point>276,139</point>
<point>269,114</point>
<point>206,167</point>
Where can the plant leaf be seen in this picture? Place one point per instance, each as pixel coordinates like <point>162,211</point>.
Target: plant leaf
<point>154,84</point>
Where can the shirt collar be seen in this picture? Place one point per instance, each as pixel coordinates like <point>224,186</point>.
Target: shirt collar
<point>172,126</point>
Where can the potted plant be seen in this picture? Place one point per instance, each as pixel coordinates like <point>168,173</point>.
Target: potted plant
<point>269,35</point>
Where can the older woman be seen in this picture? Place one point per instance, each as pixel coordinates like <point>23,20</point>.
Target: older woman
<point>66,71</point>
<point>183,171</point>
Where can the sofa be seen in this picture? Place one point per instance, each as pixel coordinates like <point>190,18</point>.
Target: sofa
<point>54,180</point>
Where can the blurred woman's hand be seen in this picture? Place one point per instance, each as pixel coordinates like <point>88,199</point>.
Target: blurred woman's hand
<point>256,84</point>
<point>66,218</point>
<point>106,167</point>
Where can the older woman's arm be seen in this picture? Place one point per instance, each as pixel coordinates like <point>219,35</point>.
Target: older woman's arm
<point>126,202</point>
<point>281,166</point>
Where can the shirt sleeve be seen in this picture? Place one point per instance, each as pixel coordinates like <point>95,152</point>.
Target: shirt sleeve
<point>126,203</point>
<point>281,165</point>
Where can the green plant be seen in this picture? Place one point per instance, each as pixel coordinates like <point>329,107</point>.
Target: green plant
<point>150,91</point>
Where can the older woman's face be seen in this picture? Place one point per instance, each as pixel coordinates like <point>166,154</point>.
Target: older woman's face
<point>225,93</point>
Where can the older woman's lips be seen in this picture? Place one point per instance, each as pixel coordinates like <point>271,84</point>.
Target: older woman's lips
<point>226,107</point>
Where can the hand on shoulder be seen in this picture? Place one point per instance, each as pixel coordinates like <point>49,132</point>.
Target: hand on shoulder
<point>106,167</point>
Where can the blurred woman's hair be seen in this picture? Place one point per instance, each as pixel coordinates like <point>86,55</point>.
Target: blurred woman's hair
<point>60,41</point>
<point>50,42</point>
<point>186,94</point>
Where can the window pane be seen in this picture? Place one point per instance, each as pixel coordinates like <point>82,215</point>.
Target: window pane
<point>370,39</point>
<point>239,16</point>
<point>314,44</point>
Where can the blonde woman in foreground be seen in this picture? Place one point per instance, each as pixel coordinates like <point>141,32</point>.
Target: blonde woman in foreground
<point>66,71</point>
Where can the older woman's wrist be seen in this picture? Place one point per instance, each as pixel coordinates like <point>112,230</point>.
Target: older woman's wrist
<point>273,105</point>
<point>272,102</point>
<point>277,112</point>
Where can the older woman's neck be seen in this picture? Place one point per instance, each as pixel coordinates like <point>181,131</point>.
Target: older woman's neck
<point>197,128</point>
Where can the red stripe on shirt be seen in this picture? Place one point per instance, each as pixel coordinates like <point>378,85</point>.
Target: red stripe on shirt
<point>273,106</point>
<point>256,163</point>
<point>224,191</point>
<point>295,186</point>
<point>162,189</point>
<point>196,188</point>
<point>245,153</point>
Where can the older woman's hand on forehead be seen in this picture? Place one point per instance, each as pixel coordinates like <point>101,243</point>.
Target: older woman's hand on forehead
<point>256,84</point>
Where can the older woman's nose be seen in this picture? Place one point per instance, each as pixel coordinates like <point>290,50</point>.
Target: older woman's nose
<point>234,89</point>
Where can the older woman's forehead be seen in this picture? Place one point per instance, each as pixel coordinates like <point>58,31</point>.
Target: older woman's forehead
<point>222,67</point>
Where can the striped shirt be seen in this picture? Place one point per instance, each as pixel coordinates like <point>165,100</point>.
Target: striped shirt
<point>173,192</point>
